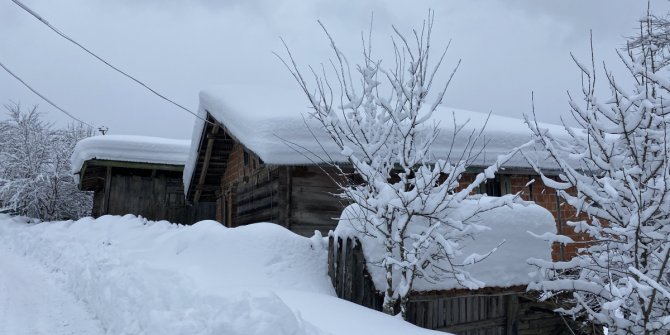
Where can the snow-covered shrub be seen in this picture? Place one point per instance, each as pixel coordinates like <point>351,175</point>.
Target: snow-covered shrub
<point>35,177</point>
<point>619,166</point>
<point>380,119</point>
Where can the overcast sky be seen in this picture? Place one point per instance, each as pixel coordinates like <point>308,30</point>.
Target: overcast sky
<point>508,49</point>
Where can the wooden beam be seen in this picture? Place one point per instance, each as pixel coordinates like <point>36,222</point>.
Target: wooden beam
<point>82,173</point>
<point>108,186</point>
<point>206,187</point>
<point>205,164</point>
<point>133,165</point>
<point>511,315</point>
<point>289,193</point>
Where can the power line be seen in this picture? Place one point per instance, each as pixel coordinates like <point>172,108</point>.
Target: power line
<point>41,19</point>
<point>43,97</point>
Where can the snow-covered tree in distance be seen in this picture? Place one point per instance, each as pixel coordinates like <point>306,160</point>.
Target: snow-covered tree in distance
<point>35,175</point>
<point>619,167</point>
<point>381,120</point>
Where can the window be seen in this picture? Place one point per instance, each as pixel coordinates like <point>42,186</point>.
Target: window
<point>246,158</point>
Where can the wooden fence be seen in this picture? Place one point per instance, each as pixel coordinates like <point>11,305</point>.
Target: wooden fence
<point>490,311</point>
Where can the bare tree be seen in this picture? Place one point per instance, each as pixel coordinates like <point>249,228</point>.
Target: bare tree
<point>619,165</point>
<point>35,175</point>
<point>381,121</point>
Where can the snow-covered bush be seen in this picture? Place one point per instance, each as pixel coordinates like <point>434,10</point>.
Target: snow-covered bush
<point>619,166</point>
<point>381,121</point>
<point>35,177</point>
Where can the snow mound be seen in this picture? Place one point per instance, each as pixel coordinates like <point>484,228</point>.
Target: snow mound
<point>144,277</point>
<point>130,148</point>
<point>278,129</point>
<point>507,266</point>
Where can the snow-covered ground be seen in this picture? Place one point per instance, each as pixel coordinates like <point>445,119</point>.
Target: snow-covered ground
<point>31,303</point>
<point>126,275</point>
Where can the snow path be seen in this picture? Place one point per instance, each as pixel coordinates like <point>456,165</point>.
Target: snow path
<point>32,303</point>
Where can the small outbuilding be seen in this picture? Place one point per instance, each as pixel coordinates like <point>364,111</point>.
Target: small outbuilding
<point>500,305</point>
<point>135,175</point>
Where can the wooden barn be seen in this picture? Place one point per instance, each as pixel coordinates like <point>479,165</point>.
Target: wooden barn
<point>259,158</point>
<point>135,175</point>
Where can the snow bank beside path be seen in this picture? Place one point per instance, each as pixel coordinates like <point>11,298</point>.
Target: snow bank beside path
<point>32,304</point>
<point>144,277</point>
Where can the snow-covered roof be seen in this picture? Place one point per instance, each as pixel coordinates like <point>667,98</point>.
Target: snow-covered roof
<point>274,124</point>
<point>129,148</point>
<point>506,267</point>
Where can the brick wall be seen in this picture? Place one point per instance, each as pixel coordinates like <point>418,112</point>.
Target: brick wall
<point>546,197</point>
<point>236,169</point>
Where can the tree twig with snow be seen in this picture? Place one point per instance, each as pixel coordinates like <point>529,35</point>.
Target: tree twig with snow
<point>380,118</point>
<point>619,165</point>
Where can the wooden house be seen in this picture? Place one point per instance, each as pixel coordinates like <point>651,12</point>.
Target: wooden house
<point>507,310</point>
<point>259,157</point>
<point>135,175</point>
<point>497,303</point>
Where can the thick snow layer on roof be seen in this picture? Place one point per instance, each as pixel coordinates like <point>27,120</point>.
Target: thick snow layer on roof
<point>143,277</point>
<point>130,148</point>
<point>506,267</point>
<point>274,124</point>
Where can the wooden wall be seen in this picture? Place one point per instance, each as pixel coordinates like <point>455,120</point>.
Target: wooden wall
<point>495,311</point>
<point>155,195</point>
<point>300,198</point>
<point>259,198</point>
<point>314,204</point>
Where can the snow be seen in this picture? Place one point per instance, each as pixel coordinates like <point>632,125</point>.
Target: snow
<point>31,303</point>
<point>274,123</point>
<point>143,277</point>
<point>510,225</point>
<point>129,148</point>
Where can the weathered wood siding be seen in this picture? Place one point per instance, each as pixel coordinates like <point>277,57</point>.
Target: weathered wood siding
<point>314,204</point>
<point>158,196</point>
<point>297,197</point>
<point>148,200</point>
<point>258,198</point>
<point>490,311</point>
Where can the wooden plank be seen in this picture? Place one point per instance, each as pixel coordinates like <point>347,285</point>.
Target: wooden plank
<point>205,165</point>
<point>331,259</point>
<point>135,165</point>
<point>247,194</point>
<point>474,326</point>
<point>511,315</point>
<point>289,198</point>
<point>108,186</point>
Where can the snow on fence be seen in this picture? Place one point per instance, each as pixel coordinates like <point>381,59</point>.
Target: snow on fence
<point>491,310</point>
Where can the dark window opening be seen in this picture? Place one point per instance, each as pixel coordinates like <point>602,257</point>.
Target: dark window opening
<point>491,187</point>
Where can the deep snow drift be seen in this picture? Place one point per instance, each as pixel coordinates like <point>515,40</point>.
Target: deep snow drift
<point>142,277</point>
<point>512,225</point>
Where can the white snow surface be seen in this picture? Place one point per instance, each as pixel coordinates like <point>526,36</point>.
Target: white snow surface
<point>130,148</point>
<point>32,303</point>
<point>274,123</point>
<point>505,267</point>
<point>143,277</point>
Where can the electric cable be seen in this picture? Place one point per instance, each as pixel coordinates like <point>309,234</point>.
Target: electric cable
<point>43,97</point>
<point>63,35</point>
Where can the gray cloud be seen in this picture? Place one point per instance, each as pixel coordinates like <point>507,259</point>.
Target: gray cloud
<point>508,48</point>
